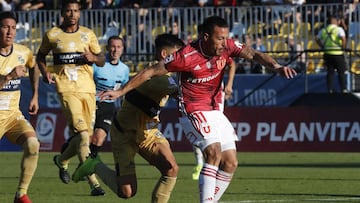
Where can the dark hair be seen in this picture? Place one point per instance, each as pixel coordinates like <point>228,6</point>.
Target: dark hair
<point>114,37</point>
<point>167,40</point>
<point>6,15</point>
<point>200,29</point>
<point>66,2</point>
<point>210,22</point>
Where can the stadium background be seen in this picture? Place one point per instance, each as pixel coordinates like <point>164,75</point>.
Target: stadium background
<point>268,113</point>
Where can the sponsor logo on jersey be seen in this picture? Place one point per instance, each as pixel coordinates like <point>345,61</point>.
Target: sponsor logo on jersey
<point>69,58</point>
<point>202,80</point>
<point>12,85</point>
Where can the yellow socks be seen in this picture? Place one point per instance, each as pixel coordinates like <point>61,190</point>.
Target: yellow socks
<point>163,189</point>
<point>28,164</point>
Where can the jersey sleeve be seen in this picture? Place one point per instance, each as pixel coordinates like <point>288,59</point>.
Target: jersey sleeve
<point>126,74</point>
<point>234,47</point>
<point>229,61</point>
<point>31,60</point>
<point>175,62</point>
<point>45,46</point>
<point>172,85</point>
<point>94,43</point>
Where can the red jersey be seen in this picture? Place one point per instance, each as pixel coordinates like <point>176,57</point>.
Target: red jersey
<point>200,77</point>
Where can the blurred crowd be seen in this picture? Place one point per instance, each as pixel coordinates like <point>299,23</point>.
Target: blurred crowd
<point>26,5</point>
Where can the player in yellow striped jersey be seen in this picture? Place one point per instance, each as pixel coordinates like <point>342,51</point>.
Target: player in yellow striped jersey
<point>15,60</point>
<point>75,48</point>
<point>135,130</point>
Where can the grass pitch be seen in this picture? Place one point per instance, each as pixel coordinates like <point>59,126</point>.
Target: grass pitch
<point>261,177</point>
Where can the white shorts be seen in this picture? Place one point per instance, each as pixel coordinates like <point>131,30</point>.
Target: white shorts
<point>203,128</point>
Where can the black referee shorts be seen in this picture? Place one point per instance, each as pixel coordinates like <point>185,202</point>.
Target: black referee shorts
<point>105,113</point>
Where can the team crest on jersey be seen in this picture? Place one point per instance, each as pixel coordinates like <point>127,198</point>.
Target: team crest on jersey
<point>72,45</point>
<point>220,63</point>
<point>84,38</point>
<point>169,58</point>
<point>208,65</point>
<point>21,59</point>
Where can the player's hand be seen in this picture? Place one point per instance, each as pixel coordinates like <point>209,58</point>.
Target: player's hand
<point>17,72</point>
<point>34,106</point>
<point>49,78</point>
<point>228,92</point>
<point>109,94</point>
<point>286,72</point>
<point>88,56</point>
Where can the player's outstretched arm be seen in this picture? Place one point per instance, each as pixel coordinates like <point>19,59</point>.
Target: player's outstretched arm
<point>229,85</point>
<point>271,64</point>
<point>134,82</point>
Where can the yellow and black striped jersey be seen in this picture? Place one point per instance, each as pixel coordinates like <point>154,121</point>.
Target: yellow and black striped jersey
<point>72,74</point>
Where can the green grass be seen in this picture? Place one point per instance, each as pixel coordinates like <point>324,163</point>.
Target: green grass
<point>261,177</point>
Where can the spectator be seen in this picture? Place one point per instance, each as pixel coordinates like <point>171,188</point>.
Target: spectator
<point>100,4</point>
<point>258,45</point>
<point>182,3</point>
<point>332,39</point>
<point>245,66</point>
<point>203,3</point>
<point>85,4</point>
<point>296,55</point>
<point>28,5</point>
<point>176,29</point>
<point>224,2</point>
<point>7,5</point>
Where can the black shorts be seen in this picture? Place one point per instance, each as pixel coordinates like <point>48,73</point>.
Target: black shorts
<point>105,113</point>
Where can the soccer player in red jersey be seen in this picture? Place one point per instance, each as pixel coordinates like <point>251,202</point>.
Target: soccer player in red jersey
<point>200,66</point>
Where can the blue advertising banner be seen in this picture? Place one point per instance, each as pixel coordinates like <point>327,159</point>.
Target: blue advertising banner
<point>250,90</point>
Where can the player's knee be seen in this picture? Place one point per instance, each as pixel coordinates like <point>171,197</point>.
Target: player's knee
<point>173,171</point>
<point>126,191</point>
<point>32,145</point>
<point>213,152</point>
<point>84,136</point>
<point>230,165</point>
